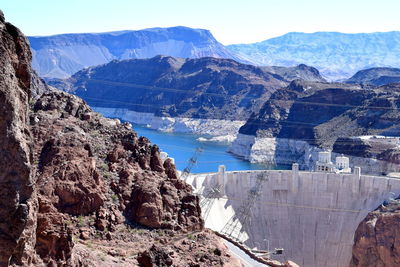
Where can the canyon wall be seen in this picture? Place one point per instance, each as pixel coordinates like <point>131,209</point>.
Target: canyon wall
<point>312,215</point>
<point>211,127</point>
<point>17,202</point>
<point>285,151</point>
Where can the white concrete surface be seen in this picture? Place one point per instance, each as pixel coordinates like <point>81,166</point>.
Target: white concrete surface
<point>312,215</point>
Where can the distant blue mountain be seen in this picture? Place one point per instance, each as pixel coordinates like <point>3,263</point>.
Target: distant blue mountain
<point>336,55</point>
<point>60,56</point>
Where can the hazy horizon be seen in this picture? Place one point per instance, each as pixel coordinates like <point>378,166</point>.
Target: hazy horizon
<point>230,22</point>
<point>128,30</point>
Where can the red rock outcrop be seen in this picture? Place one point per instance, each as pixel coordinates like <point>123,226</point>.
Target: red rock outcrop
<point>78,189</point>
<point>17,201</point>
<point>196,250</point>
<point>377,239</point>
<point>92,168</point>
<point>68,174</point>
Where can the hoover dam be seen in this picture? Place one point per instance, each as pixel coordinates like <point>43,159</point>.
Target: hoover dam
<point>313,216</point>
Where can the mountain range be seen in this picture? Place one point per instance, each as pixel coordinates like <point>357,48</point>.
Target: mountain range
<point>337,55</point>
<point>203,88</point>
<point>60,56</point>
<point>376,76</point>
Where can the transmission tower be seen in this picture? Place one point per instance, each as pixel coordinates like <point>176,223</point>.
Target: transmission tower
<point>191,163</point>
<point>233,228</point>
<point>208,200</point>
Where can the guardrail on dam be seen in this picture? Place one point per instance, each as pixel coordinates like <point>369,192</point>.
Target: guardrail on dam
<point>312,215</point>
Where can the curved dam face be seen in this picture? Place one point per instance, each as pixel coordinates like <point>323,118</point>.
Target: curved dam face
<point>311,215</point>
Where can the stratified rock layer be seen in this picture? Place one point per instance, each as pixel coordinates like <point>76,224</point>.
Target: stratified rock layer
<point>306,117</point>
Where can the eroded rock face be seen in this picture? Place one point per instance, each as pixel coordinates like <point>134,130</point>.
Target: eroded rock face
<point>153,202</point>
<point>69,176</point>
<point>78,189</point>
<point>164,204</point>
<point>377,239</point>
<point>17,202</point>
<point>89,166</point>
<point>64,166</point>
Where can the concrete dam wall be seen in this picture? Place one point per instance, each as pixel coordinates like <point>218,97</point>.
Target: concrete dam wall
<point>312,215</point>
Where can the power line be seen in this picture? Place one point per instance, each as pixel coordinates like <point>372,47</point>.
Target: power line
<point>176,90</point>
<point>294,205</point>
<point>283,121</point>
<point>233,228</point>
<point>208,200</point>
<point>192,161</point>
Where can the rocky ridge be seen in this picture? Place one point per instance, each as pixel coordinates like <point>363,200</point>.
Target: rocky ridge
<point>104,194</point>
<point>321,113</point>
<point>376,76</point>
<point>18,203</point>
<point>337,55</point>
<point>204,96</point>
<point>301,71</point>
<point>82,190</point>
<point>207,88</point>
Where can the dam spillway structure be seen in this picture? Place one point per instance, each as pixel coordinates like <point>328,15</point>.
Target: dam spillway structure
<point>313,215</point>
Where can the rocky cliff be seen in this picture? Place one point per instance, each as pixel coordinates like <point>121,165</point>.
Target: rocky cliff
<point>60,56</point>
<point>299,120</point>
<point>376,242</point>
<point>206,96</point>
<point>301,71</point>
<point>18,202</point>
<point>376,76</point>
<point>207,88</point>
<point>81,190</point>
<point>321,112</point>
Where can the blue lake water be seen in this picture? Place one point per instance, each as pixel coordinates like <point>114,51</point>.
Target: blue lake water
<point>181,147</point>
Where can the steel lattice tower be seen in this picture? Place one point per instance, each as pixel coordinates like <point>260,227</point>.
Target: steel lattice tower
<point>208,200</point>
<point>233,228</point>
<point>191,163</point>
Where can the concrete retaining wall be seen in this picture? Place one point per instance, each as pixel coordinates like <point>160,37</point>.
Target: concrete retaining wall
<point>312,215</point>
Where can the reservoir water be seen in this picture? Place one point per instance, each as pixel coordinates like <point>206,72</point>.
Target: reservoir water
<point>181,147</point>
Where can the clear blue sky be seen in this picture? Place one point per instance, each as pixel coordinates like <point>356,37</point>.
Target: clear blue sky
<point>231,21</point>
